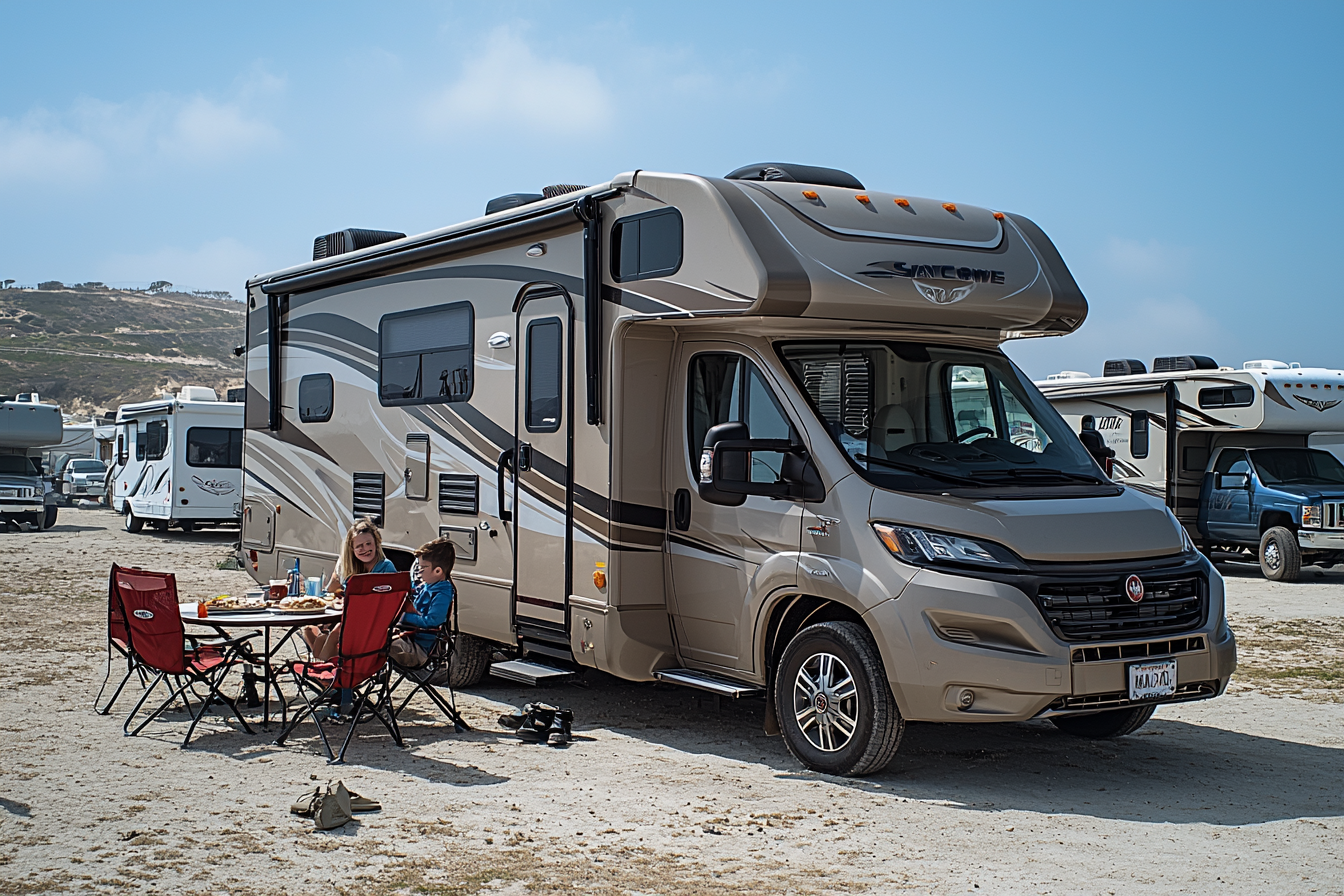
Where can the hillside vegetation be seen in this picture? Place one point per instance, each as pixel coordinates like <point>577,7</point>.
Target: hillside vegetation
<point>92,348</point>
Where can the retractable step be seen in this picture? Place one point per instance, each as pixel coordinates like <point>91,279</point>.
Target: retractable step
<point>724,687</point>
<point>528,672</point>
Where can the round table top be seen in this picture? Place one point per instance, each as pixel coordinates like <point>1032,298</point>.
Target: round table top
<point>258,617</point>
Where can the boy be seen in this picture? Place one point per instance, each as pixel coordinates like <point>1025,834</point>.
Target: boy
<point>432,599</point>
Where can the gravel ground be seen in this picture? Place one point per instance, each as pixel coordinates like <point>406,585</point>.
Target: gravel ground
<point>661,792</point>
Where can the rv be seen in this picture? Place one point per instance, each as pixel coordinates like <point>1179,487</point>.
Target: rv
<point>26,496</point>
<point>178,461</point>
<point>751,434</point>
<point>1241,456</point>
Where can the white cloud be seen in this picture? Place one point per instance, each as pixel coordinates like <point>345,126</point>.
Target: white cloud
<point>507,85</point>
<point>218,264</point>
<point>202,130</point>
<point>37,149</point>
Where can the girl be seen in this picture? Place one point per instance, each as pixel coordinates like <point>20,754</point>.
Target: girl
<point>361,552</point>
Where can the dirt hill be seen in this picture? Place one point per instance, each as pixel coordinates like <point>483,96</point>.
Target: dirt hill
<point>92,348</point>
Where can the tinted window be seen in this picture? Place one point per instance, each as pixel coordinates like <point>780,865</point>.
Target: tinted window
<point>426,356</point>
<point>87,466</point>
<point>544,375</point>
<point>155,440</point>
<point>647,245</point>
<point>1194,459</point>
<point>315,397</point>
<point>18,465</point>
<point>1297,466</point>
<point>1227,397</point>
<point>212,446</point>
<point>725,388</point>
<point>1138,434</point>
<point>1228,458</point>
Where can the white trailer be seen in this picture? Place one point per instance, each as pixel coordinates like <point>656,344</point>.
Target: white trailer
<point>178,461</point>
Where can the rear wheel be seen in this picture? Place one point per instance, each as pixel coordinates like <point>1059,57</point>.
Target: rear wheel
<point>49,517</point>
<point>471,660</point>
<point>834,705</point>
<point>188,525</point>
<point>1113,723</point>
<point>133,522</point>
<point>1280,557</point>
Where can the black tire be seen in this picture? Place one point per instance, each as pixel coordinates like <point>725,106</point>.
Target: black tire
<point>875,722</point>
<point>33,521</point>
<point>1101,725</point>
<point>188,526</point>
<point>1280,556</point>
<point>471,661</point>
<point>49,517</point>
<point>133,522</point>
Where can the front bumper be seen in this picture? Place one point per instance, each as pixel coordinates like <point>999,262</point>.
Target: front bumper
<point>17,508</point>
<point>989,638</point>
<point>1321,539</point>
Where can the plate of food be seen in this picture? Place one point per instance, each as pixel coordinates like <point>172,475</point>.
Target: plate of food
<point>300,605</point>
<point>225,604</point>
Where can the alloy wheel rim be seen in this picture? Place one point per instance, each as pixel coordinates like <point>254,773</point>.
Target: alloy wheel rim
<point>1272,555</point>
<point>826,702</point>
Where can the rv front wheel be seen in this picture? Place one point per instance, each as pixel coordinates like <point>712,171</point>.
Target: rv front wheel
<point>133,522</point>
<point>1280,557</point>
<point>834,705</point>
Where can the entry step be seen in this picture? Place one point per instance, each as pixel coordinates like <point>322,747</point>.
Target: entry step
<point>528,672</point>
<point>724,687</point>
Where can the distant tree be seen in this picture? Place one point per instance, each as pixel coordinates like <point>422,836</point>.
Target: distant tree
<point>160,286</point>
<point>51,284</point>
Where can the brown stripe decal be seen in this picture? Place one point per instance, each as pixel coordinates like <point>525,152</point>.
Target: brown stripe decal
<point>538,602</point>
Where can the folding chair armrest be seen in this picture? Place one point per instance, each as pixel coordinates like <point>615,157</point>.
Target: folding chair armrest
<point>237,641</point>
<point>417,630</point>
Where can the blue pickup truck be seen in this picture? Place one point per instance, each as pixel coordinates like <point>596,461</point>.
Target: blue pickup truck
<point>1284,504</point>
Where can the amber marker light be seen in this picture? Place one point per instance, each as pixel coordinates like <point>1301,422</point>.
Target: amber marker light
<point>600,575</point>
<point>998,216</point>
<point>809,194</point>
<point>951,207</point>
<point>902,202</point>
<point>888,536</point>
<point>863,197</point>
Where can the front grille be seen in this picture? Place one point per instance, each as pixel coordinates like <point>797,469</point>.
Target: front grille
<point>1099,610</point>
<point>1197,690</point>
<point>369,497</point>
<point>1136,651</point>
<point>1333,511</point>
<point>459,493</point>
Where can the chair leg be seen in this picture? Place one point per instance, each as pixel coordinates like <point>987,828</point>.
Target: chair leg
<point>162,706</point>
<point>212,682</point>
<point>308,709</point>
<point>107,708</point>
<point>354,722</point>
<point>125,726</point>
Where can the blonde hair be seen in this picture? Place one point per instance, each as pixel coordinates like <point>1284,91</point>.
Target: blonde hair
<point>350,564</point>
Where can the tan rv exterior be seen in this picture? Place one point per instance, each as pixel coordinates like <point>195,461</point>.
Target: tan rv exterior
<point>563,388</point>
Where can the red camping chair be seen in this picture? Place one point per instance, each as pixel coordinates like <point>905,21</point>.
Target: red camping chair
<point>118,641</point>
<point>159,642</point>
<point>373,604</point>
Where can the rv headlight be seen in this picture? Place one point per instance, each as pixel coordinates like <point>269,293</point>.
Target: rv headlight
<point>920,546</point>
<point>1311,516</point>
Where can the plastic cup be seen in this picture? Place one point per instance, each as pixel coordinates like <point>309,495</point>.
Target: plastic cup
<point>314,586</point>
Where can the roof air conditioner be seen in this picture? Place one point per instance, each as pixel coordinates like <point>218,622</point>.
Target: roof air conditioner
<point>1123,367</point>
<point>1176,363</point>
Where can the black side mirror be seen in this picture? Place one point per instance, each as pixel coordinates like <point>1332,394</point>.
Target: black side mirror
<point>736,471</point>
<point>726,462</point>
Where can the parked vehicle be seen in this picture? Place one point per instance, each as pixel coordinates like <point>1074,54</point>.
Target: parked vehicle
<point>751,434</point>
<point>1278,509</point>
<point>83,477</point>
<point>178,461</point>
<point>25,494</point>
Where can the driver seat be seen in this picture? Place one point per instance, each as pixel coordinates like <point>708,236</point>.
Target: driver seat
<point>892,428</point>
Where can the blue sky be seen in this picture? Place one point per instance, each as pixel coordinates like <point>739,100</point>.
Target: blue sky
<point>1184,157</point>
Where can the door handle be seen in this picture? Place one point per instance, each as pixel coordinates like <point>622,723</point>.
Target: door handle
<point>505,462</point>
<point>681,509</point>
<point>524,457</point>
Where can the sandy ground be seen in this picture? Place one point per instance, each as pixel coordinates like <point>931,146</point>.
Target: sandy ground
<point>662,792</point>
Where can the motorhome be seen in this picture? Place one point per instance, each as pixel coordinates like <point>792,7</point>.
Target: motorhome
<point>26,496</point>
<point>178,461</point>
<point>1242,456</point>
<point>751,434</point>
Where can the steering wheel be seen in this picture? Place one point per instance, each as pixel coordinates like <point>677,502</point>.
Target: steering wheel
<point>978,431</point>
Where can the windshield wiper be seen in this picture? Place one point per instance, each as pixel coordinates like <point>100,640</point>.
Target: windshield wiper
<point>915,468</point>
<point>1040,473</point>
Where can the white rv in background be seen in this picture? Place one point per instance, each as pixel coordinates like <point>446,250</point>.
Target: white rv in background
<point>178,461</point>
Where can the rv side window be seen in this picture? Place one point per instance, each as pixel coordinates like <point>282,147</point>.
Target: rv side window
<point>1138,434</point>
<point>214,446</point>
<point>647,245</point>
<point>315,398</point>
<point>724,388</point>
<point>1194,459</point>
<point>156,440</point>
<point>971,403</point>
<point>121,449</point>
<point>1227,397</point>
<point>139,444</point>
<point>544,357</point>
<point>426,357</point>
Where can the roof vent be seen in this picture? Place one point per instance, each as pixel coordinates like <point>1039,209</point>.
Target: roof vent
<point>561,189</point>
<point>1177,363</point>
<point>512,200</point>
<point>1123,367</point>
<point>343,241</point>
<point>801,174</point>
<point>197,393</point>
<point>1264,365</point>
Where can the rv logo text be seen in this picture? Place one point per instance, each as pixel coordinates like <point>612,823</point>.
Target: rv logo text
<point>1318,404</point>
<point>931,272</point>
<point>213,486</point>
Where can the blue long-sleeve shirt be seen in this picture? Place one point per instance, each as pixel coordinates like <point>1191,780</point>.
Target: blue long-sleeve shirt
<point>432,603</point>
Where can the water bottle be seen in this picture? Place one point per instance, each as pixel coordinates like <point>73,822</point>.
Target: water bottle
<point>295,580</point>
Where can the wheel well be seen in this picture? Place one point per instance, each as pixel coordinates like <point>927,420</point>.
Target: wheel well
<point>1271,518</point>
<point>792,614</point>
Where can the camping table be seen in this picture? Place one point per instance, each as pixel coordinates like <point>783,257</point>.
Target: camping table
<point>265,620</point>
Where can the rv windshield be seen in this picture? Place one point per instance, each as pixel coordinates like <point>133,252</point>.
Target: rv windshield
<point>923,418</point>
<point>17,465</point>
<point>1297,466</point>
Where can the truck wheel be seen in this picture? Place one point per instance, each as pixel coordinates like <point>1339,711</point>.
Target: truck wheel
<point>835,707</point>
<point>133,522</point>
<point>33,521</point>
<point>49,517</point>
<point>471,660</point>
<point>1280,557</point>
<point>1113,723</point>
<point>188,526</point>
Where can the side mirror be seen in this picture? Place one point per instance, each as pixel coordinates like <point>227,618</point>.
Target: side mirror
<point>1231,480</point>
<point>726,464</point>
<point>710,465</point>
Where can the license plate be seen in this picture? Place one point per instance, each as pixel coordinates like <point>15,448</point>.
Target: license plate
<point>1148,681</point>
